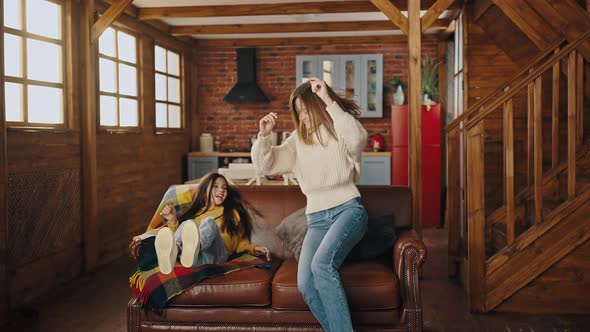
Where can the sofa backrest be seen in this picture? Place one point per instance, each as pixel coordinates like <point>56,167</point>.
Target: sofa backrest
<point>277,202</point>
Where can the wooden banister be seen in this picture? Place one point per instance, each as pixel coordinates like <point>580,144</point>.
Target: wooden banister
<point>580,99</point>
<point>510,82</point>
<point>555,114</point>
<point>454,198</point>
<point>526,80</point>
<point>529,133</point>
<point>538,150</point>
<point>476,215</point>
<point>509,170</point>
<point>571,125</point>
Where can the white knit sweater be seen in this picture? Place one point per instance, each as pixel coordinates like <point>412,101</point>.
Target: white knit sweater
<point>326,174</point>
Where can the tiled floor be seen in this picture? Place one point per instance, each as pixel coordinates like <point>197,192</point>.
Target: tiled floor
<point>97,302</point>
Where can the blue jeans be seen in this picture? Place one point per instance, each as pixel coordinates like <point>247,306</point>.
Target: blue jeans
<point>331,234</point>
<point>213,249</point>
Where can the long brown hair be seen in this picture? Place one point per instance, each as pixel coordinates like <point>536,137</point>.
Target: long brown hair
<point>316,110</point>
<point>233,203</point>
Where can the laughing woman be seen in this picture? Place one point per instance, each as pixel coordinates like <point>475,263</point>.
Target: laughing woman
<point>216,224</point>
<point>324,153</point>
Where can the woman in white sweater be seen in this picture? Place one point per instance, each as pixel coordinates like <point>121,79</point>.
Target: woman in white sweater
<point>324,153</point>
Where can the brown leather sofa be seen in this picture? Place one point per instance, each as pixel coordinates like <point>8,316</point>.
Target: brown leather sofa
<point>383,294</point>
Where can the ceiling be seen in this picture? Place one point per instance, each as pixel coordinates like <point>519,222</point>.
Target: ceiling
<point>255,19</point>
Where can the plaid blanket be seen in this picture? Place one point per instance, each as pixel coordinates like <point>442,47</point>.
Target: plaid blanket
<point>155,289</point>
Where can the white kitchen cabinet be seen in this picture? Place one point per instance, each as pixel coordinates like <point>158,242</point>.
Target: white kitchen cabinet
<point>357,76</point>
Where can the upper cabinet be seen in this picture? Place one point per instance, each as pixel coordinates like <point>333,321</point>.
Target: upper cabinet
<point>356,76</point>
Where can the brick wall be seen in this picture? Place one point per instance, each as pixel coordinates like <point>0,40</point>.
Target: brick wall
<point>235,123</point>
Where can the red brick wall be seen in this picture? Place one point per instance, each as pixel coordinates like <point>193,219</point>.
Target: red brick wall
<point>235,123</point>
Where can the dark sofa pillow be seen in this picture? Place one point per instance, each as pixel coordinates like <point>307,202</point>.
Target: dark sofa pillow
<point>378,240</point>
<point>292,231</point>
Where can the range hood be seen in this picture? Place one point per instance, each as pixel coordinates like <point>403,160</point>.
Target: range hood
<point>246,90</point>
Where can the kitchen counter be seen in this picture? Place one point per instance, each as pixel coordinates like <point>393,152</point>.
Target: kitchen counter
<point>247,154</point>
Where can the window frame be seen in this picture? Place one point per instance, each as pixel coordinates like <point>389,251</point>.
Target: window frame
<point>181,78</point>
<point>138,64</point>
<point>25,82</point>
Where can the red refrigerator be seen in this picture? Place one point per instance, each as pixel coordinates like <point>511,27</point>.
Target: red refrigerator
<point>431,157</point>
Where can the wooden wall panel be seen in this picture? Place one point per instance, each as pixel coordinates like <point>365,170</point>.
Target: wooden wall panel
<point>489,68</point>
<point>43,179</point>
<point>134,170</point>
<point>44,225</point>
<point>43,172</point>
<point>507,36</point>
<point>563,288</point>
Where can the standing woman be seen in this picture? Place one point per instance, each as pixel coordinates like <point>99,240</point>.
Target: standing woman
<point>324,153</point>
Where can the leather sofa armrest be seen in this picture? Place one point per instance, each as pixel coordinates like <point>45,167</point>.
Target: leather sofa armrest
<point>409,253</point>
<point>408,240</point>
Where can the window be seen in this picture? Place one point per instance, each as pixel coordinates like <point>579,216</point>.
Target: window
<point>168,88</point>
<point>34,63</point>
<point>117,63</point>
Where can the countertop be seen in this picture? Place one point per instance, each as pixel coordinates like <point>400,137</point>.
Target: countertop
<point>247,154</point>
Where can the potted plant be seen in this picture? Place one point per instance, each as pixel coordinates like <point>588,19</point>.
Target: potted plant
<point>398,90</point>
<point>430,79</point>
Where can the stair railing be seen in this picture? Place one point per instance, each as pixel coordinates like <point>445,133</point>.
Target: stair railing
<point>466,138</point>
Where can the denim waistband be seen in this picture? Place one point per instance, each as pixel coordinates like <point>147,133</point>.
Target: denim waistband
<point>355,202</point>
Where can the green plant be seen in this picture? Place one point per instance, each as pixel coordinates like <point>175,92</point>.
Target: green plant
<point>395,82</point>
<point>430,78</point>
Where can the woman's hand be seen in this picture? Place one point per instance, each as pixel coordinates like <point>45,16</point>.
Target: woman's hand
<point>260,250</point>
<point>267,123</point>
<point>169,214</point>
<point>320,88</point>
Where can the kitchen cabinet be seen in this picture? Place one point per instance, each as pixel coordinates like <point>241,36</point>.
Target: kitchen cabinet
<point>199,166</point>
<point>357,76</point>
<point>375,170</point>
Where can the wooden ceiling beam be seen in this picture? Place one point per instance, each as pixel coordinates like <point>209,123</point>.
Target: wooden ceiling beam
<point>524,23</point>
<point>115,10</point>
<point>434,12</point>
<point>239,42</point>
<point>270,9</point>
<point>130,10</point>
<point>393,13</point>
<point>293,27</point>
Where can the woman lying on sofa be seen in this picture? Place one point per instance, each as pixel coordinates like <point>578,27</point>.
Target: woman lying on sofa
<point>324,153</point>
<point>216,224</point>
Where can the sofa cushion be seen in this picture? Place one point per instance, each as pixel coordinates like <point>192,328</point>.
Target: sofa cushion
<point>292,231</point>
<point>250,287</point>
<point>369,285</point>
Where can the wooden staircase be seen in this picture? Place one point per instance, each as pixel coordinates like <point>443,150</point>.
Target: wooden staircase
<point>543,221</point>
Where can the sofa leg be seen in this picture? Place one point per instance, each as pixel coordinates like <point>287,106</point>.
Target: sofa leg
<point>133,315</point>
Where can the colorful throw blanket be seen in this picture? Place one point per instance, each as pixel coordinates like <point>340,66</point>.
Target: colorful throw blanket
<point>155,289</point>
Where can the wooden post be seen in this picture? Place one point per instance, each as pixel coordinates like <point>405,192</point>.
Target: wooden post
<point>88,136</point>
<point>580,99</point>
<point>538,150</point>
<point>555,115</point>
<point>530,136</point>
<point>476,217</point>
<point>415,113</point>
<point>509,170</point>
<point>454,199</point>
<point>4,293</point>
<point>571,125</point>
